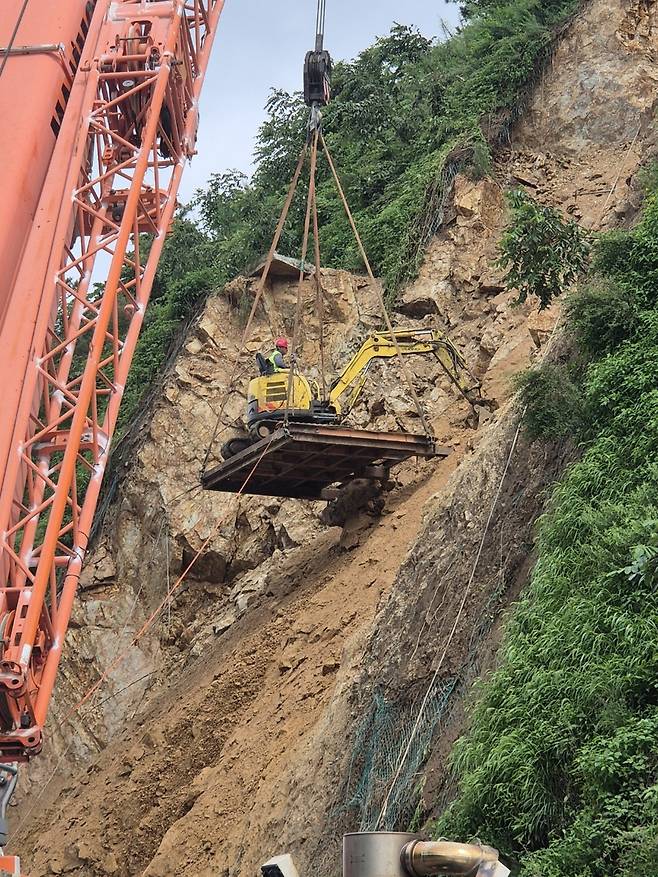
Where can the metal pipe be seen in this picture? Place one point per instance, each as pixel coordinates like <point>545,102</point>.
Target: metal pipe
<point>44,49</point>
<point>375,853</point>
<point>434,858</point>
<point>398,854</point>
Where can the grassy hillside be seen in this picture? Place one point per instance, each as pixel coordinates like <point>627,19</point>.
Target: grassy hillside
<point>406,114</point>
<point>560,768</point>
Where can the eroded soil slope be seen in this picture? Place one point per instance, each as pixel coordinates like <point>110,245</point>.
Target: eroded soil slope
<point>239,742</point>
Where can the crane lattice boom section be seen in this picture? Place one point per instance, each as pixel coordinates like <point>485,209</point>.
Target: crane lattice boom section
<point>66,341</point>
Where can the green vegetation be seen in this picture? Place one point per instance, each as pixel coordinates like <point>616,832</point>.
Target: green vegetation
<point>545,255</point>
<point>406,115</point>
<point>552,399</point>
<point>560,766</point>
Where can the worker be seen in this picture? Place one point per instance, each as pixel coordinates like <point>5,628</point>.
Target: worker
<point>276,358</point>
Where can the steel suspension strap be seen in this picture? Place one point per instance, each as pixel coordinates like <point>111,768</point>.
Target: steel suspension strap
<point>319,293</point>
<point>259,294</point>
<point>405,370</point>
<point>298,307</point>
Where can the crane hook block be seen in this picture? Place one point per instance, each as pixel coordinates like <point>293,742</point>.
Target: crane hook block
<point>317,78</point>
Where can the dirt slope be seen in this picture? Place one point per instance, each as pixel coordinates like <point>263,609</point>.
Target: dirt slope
<point>244,740</point>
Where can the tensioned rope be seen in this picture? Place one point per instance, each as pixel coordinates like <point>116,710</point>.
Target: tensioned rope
<point>302,268</point>
<point>171,591</point>
<point>319,292</point>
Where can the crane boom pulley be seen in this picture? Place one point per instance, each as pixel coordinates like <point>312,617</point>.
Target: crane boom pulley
<point>317,69</point>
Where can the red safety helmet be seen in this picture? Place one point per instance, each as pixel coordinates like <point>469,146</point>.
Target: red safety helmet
<point>282,342</point>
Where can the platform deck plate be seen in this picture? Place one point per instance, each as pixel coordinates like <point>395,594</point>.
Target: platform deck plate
<point>300,460</point>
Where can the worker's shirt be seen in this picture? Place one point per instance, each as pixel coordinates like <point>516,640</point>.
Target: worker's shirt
<point>277,361</point>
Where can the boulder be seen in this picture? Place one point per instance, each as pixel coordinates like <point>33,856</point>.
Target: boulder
<point>541,325</point>
<point>491,340</point>
<point>418,303</point>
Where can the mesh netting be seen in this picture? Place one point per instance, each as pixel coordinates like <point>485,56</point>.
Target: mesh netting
<point>381,738</point>
<point>384,733</point>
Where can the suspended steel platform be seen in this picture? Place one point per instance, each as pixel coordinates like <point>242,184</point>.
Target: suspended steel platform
<point>301,460</point>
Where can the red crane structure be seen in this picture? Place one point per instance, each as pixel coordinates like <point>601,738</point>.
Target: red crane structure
<point>99,102</point>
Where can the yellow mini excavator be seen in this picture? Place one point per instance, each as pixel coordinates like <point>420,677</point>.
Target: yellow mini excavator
<point>273,398</point>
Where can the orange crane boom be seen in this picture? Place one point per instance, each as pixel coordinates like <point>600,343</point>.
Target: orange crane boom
<point>99,102</point>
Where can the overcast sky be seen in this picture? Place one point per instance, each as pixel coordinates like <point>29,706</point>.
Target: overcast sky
<point>262,44</point>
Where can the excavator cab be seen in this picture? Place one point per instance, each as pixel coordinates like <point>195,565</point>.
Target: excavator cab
<point>267,403</point>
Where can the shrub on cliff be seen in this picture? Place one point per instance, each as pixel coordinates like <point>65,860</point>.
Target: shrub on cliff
<point>544,254</point>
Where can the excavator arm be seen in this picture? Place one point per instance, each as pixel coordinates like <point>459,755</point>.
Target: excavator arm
<point>347,388</point>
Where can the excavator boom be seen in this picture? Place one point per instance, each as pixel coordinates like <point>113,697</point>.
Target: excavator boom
<point>382,345</point>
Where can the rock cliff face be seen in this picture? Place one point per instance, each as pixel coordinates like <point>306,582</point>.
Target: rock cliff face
<point>268,706</point>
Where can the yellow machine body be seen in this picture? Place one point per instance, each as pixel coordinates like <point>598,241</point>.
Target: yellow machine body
<point>268,394</point>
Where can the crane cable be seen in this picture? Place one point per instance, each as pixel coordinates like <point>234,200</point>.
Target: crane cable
<point>319,293</point>
<point>310,201</point>
<point>319,25</point>
<point>119,659</point>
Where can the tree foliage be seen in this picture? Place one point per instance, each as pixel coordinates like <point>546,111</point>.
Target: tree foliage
<point>560,766</point>
<point>544,254</point>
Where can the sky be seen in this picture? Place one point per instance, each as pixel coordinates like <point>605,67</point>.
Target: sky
<point>261,44</point>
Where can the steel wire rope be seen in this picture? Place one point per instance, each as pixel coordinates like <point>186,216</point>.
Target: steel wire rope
<point>364,256</point>
<point>319,24</point>
<point>319,294</point>
<point>170,592</point>
<point>404,754</point>
<point>622,168</point>
<point>12,39</point>
<point>259,294</point>
<point>300,283</point>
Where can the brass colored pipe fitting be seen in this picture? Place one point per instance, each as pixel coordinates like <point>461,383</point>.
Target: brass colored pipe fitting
<point>435,858</point>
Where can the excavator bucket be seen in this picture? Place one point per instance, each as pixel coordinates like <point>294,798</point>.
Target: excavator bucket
<point>302,460</point>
